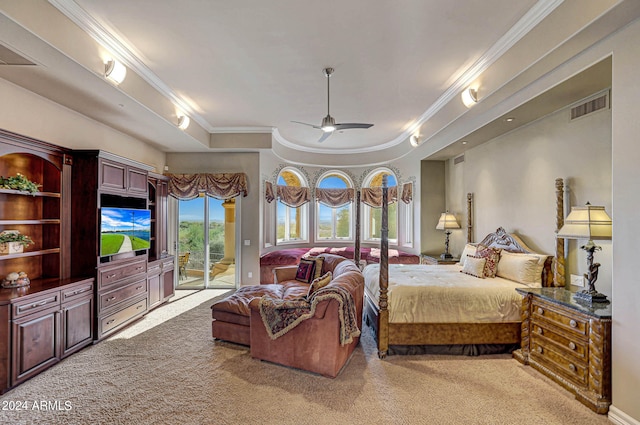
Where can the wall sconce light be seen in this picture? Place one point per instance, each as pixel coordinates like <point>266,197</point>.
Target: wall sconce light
<point>414,139</point>
<point>183,122</point>
<point>469,97</point>
<point>115,71</point>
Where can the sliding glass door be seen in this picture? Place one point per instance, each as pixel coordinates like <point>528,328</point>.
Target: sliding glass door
<point>206,247</point>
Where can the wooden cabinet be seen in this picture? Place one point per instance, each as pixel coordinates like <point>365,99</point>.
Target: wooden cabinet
<point>568,342</point>
<point>160,278</point>
<point>49,320</point>
<point>121,284</point>
<point>118,177</point>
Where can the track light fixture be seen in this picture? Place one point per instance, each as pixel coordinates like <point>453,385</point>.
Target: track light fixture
<point>114,71</point>
<point>183,122</point>
<point>469,97</point>
<point>414,139</point>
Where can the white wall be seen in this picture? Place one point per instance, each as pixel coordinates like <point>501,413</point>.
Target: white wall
<point>29,114</point>
<point>513,177</point>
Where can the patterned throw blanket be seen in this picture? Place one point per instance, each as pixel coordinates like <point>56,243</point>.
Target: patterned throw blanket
<point>280,316</point>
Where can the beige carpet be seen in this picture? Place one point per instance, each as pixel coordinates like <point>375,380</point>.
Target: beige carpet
<point>166,369</point>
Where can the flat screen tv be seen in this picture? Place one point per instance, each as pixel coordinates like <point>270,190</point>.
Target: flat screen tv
<point>124,230</point>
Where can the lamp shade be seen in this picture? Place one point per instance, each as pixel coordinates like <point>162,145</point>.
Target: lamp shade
<point>447,221</point>
<point>588,222</point>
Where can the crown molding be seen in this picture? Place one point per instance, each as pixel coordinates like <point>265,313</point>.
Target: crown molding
<point>225,130</point>
<point>104,36</point>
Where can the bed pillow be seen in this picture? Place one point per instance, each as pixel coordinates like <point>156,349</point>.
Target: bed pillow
<point>474,266</point>
<point>469,249</point>
<point>306,270</point>
<point>493,257</point>
<point>521,268</point>
<point>318,283</point>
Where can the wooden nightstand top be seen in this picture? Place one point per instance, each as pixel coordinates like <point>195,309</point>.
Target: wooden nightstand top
<point>433,259</point>
<point>564,297</point>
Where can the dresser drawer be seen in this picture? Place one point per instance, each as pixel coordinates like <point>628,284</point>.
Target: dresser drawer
<point>110,275</point>
<point>575,346</point>
<point>36,304</point>
<point>78,291</point>
<point>573,370</point>
<point>112,321</point>
<point>111,298</point>
<point>544,312</point>
<point>154,268</point>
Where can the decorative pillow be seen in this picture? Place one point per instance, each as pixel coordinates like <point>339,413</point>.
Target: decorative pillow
<point>522,268</point>
<point>469,249</point>
<point>493,257</point>
<point>306,270</point>
<point>474,266</point>
<point>318,283</point>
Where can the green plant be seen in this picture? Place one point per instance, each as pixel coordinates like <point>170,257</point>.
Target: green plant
<point>18,182</point>
<point>15,236</point>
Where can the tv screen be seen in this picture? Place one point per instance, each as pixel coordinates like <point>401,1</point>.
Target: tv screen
<point>124,230</point>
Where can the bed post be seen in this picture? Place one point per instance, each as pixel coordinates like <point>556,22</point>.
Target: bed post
<point>383,316</point>
<point>558,271</point>
<point>469,220</point>
<point>356,248</point>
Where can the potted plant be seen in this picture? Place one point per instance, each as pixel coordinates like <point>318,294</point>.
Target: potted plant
<point>12,242</point>
<point>18,182</point>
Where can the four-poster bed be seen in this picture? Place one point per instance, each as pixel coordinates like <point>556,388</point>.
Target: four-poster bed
<point>394,331</point>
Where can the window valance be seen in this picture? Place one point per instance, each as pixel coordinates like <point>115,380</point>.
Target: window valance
<point>218,185</point>
<point>335,197</point>
<point>293,196</point>
<point>372,196</point>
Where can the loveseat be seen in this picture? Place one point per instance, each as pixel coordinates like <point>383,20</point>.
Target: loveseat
<point>314,344</point>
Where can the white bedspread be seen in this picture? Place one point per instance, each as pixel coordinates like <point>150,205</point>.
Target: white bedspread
<point>442,294</point>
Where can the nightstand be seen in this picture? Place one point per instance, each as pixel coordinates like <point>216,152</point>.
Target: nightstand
<point>433,259</point>
<point>569,342</point>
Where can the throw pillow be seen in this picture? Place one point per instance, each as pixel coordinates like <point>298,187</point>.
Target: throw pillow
<point>474,266</point>
<point>318,270</point>
<point>469,249</point>
<point>493,257</point>
<point>522,268</point>
<point>306,270</point>
<point>318,283</point>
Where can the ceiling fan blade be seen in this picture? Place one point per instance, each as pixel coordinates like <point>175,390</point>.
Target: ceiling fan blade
<point>310,125</point>
<point>325,136</point>
<point>348,125</point>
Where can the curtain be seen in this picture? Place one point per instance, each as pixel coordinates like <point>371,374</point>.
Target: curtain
<point>268,192</point>
<point>407,193</point>
<point>219,185</point>
<point>293,196</point>
<point>372,196</point>
<point>335,197</point>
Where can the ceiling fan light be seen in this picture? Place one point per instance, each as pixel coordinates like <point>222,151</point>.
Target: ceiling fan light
<point>328,124</point>
<point>328,128</point>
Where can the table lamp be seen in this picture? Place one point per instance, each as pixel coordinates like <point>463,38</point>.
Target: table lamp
<point>588,222</point>
<point>447,222</point>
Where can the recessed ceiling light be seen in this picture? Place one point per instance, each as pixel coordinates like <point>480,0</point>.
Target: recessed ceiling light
<point>464,142</point>
<point>509,119</point>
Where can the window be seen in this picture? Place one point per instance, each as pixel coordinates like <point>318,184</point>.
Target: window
<point>372,216</point>
<point>291,221</point>
<point>334,223</point>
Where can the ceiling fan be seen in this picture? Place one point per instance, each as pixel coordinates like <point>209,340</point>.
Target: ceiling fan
<point>329,125</point>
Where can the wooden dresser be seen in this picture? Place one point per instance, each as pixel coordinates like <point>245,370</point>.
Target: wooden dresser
<point>569,342</point>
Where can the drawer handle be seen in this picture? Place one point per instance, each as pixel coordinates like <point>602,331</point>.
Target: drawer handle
<point>572,367</point>
<point>540,331</point>
<point>540,350</point>
<point>139,287</point>
<point>79,291</point>
<point>34,305</point>
<point>109,276</point>
<point>110,299</point>
<point>572,345</point>
<point>139,306</point>
<point>111,321</point>
<point>139,268</point>
<point>573,323</point>
<point>540,310</point>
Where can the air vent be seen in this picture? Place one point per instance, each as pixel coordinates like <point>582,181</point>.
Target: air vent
<point>589,106</point>
<point>9,57</point>
<point>458,159</point>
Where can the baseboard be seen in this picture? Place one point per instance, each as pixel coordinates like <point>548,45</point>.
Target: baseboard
<point>617,416</point>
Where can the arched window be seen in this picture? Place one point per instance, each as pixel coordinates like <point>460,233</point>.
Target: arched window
<point>372,216</point>
<point>291,223</point>
<point>334,217</point>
